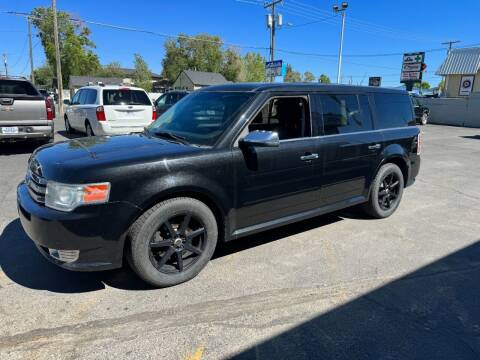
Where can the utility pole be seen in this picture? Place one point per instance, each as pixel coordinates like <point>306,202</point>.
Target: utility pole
<point>5,63</point>
<point>445,78</point>
<point>58,60</point>
<point>340,9</point>
<point>450,43</point>
<point>272,22</point>
<point>32,75</point>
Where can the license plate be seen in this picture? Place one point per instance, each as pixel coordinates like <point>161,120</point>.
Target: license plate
<point>10,130</point>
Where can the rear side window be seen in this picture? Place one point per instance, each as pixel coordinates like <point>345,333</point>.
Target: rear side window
<point>82,97</point>
<point>16,87</point>
<point>344,114</point>
<point>393,110</point>
<point>125,97</point>
<point>91,96</point>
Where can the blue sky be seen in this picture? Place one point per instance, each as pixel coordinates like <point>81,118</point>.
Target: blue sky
<point>372,27</point>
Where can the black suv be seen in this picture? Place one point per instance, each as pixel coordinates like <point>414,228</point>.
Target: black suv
<point>224,162</point>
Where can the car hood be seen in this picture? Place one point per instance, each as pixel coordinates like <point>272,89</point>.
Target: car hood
<point>63,158</point>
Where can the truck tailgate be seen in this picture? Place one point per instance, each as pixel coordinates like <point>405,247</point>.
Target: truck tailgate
<point>22,110</point>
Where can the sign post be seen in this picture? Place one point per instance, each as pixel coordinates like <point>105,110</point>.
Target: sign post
<point>412,68</point>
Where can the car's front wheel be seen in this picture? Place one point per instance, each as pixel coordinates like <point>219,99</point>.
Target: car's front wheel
<point>173,241</point>
<point>386,192</point>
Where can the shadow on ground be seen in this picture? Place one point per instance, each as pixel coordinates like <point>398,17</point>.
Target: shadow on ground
<point>432,313</point>
<point>474,137</point>
<point>23,264</point>
<point>70,136</point>
<point>20,147</point>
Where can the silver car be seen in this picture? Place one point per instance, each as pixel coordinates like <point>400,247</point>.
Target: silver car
<point>24,112</point>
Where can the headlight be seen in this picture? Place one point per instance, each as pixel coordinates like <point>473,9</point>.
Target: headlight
<point>66,197</point>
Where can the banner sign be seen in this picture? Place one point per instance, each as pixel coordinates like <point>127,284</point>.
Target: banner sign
<point>466,85</point>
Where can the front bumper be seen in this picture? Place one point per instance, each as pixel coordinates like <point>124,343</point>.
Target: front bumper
<point>98,231</point>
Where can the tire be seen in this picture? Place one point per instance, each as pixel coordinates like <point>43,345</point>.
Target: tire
<point>162,236</point>
<point>88,129</point>
<point>424,119</point>
<point>386,192</point>
<point>68,128</point>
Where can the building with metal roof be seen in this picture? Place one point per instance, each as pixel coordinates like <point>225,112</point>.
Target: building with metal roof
<point>461,71</point>
<point>194,80</point>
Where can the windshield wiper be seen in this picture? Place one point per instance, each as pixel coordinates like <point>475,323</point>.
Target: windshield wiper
<point>169,135</point>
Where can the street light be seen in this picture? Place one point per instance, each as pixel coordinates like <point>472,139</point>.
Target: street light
<point>340,9</point>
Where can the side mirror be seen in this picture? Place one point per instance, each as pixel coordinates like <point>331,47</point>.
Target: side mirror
<point>66,102</point>
<point>261,139</point>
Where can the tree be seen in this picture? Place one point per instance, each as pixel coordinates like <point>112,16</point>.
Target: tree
<point>77,56</point>
<point>142,76</point>
<point>44,75</point>
<point>441,85</point>
<point>202,53</point>
<point>233,65</point>
<point>291,75</point>
<point>114,69</point>
<point>324,79</point>
<point>308,77</point>
<point>254,67</point>
<point>423,85</point>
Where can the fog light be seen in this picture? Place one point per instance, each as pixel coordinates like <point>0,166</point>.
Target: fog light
<point>67,256</point>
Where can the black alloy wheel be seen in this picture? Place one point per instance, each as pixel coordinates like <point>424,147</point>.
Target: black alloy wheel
<point>177,244</point>
<point>172,241</point>
<point>388,191</point>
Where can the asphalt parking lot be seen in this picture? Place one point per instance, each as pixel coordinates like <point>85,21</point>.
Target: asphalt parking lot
<point>337,286</point>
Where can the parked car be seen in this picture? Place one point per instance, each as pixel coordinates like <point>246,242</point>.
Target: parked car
<point>225,162</point>
<point>421,112</point>
<point>167,100</point>
<point>109,110</point>
<point>24,113</point>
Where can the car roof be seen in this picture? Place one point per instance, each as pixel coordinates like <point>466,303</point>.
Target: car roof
<point>298,87</point>
<point>111,87</point>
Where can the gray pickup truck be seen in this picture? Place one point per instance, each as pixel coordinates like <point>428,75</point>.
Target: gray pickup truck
<point>24,113</point>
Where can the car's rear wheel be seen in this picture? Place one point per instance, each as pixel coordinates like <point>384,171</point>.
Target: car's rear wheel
<point>424,119</point>
<point>386,192</point>
<point>88,129</point>
<point>173,241</point>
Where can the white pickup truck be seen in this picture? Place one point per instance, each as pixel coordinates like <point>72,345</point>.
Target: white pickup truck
<point>24,113</point>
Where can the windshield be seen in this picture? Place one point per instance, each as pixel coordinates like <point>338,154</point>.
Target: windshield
<point>202,117</point>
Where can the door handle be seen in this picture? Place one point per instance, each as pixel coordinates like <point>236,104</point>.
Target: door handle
<point>307,157</point>
<point>374,147</point>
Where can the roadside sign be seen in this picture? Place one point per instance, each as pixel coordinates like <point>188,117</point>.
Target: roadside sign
<point>412,67</point>
<point>411,76</point>
<point>413,58</point>
<point>374,81</point>
<point>274,68</point>
<point>466,85</point>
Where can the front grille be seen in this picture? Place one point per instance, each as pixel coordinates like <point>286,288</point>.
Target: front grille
<point>37,186</point>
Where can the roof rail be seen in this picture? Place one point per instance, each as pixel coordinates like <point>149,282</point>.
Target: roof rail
<point>14,77</point>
